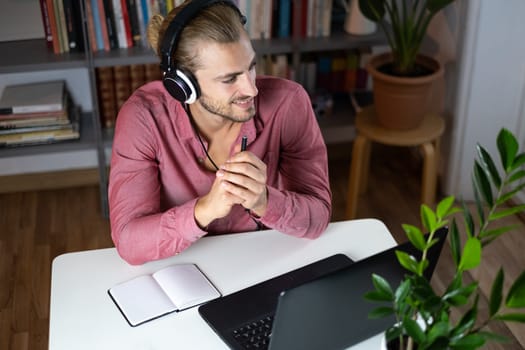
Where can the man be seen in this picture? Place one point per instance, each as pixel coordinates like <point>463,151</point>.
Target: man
<point>177,171</point>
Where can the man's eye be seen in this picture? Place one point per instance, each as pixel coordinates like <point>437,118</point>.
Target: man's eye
<point>230,81</point>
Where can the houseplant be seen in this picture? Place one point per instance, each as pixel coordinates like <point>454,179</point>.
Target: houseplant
<point>403,77</point>
<point>423,315</point>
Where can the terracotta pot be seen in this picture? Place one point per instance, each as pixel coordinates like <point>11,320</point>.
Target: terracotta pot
<point>402,102</point>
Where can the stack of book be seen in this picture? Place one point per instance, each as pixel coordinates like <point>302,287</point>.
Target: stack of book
<point>37,113</point>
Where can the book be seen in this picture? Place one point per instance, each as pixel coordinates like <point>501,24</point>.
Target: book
<point>73,25</point>
<point>137,76</point>
<point>152,72</point>
<point>110,24</point>
<point>170,289</point>
<point>127,23</point>
<point>120,24</point>
<point>106,96</point>
<point>285,18</point>
<point>70,131</point>
<point>53,26</point>
<point>99,38</point>
<point>33,97</point>
<point>134,22</point>
<point>121,80</point>
<point>103,24</point>
<point>62,26</point>
<point>90,27</point>
<point>47,24</point>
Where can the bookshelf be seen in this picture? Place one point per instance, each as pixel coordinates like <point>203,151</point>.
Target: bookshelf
<point>34,56</point>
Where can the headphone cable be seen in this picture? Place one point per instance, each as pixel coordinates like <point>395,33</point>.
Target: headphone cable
<point>194,126</point>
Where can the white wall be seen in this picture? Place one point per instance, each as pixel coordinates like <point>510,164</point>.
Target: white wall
<point>490,89</point>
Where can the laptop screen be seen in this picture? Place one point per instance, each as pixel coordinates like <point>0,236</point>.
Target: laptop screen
<point>331,312</point>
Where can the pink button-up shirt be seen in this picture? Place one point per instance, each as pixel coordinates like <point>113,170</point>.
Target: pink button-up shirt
<point>157,173</point>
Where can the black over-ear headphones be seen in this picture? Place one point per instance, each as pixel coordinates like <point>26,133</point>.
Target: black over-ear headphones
<point>181,84</point>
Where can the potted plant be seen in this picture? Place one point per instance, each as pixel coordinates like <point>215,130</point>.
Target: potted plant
<point>403,77</point>
<point>423,315</point>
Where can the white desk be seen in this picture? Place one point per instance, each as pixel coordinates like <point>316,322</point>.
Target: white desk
<point>82,316</point>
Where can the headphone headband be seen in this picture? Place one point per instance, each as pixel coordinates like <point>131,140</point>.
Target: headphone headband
<point>174,30</point>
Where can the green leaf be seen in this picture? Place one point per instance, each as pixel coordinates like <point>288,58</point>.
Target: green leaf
<point>507,147</point>
<point>493,337</point>
<point>516,295</point>
<point>482,184</point>
<point>471,256</point>
<point>428,218</point>
<point>471,341</point>
<point>498,231</point>
<point>374,10</point>
<point>505,197</point>
<point>518,175</point>
<point>407,261</point>
<point>511,317</point>
<point>380,312</point>
<point>479,205</point>
<point>469,221</point>
<point>402,291</point>
<point>507,212</point>
<point>414,330</point>
<point>455,243</point>
<point>444,206</point>
<point>468,320</point>
<point>439,329</point>
<point>415,236</point>
<point>459,295</point>
<point>518,161</point>
<point>488,164</point>
<point>377,296</point>
<point>496,293</point>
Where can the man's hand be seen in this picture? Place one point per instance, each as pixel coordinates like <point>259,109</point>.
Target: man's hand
<point>241,180</point>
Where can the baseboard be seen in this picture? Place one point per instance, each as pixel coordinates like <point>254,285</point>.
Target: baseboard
<point>48,180</point>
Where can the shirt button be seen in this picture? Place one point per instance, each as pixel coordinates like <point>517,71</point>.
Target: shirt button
<point>200,160</point>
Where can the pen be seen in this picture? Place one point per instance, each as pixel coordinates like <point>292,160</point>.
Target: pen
<point>244,143</point>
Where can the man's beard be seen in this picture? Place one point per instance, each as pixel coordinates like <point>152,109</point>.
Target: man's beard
<point>223,111</point>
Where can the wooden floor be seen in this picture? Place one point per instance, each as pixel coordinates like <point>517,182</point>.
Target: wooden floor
<point>37,226</point>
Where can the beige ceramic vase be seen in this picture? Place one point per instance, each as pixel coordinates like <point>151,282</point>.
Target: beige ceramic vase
<point>402,102</point>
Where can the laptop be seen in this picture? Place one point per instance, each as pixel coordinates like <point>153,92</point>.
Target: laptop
<point>326,312</point>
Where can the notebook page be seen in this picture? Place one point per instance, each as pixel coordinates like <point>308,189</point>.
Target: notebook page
<point>186,285</point>
<point>141,299</point>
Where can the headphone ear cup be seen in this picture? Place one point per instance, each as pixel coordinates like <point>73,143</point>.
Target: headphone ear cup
<point>182,86</point>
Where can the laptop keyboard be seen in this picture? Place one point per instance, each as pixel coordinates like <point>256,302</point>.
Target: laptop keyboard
<point>256,334</point>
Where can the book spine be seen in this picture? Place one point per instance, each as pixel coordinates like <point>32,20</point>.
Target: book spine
<point>103,24</point>
<point>326,18</point>
<point>152,72</point>
<point>72,17</point>
<point>60,38</point>
<point>106,96</point>
<point>53,26</point>
<point>92,37</point>
<point>122,85</point>
<point>144,18</point>
<point>47,25</point>
<point>120,27</point>
<point>127,23</point>
<point>169,6</point>
<point>140,22</point>
<point>64,40</point>
<point>134,22</point>
<point>109,16</point>
<point>137,76</point>
<point>97,24</point>
<point>285,7</point>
